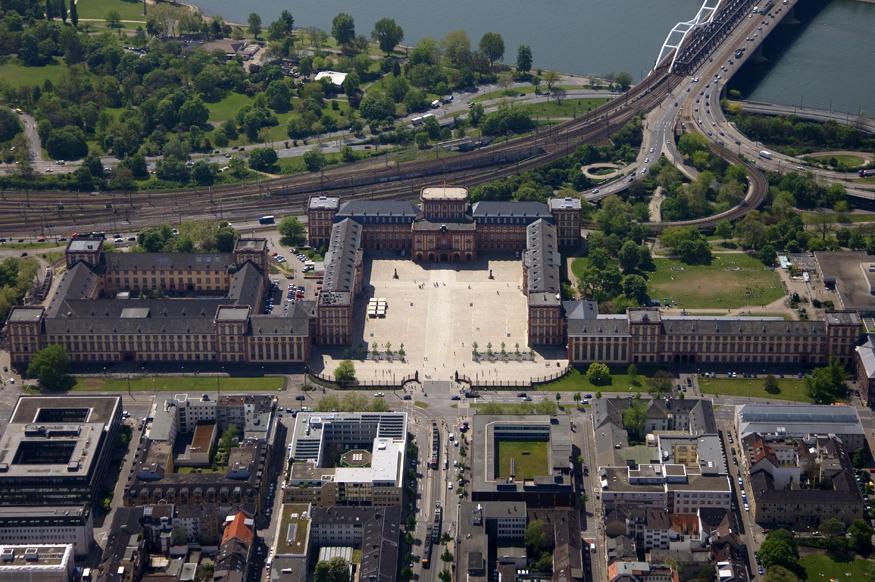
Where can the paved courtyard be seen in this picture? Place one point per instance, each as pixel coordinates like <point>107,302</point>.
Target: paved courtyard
<point>436,310</point>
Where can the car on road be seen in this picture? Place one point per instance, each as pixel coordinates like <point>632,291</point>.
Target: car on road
<point>651,150</point>
<point>450,486</point>
<point>300,397</point>
<point>761,570</point>
<point>379,395</point>
<point>406,397</point>
<point>747,507</point>
<point>646,160</point>
<point>456,397</point>
<point>595,191</point>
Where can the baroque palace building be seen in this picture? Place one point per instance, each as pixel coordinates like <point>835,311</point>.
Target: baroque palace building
<point>206,307</point>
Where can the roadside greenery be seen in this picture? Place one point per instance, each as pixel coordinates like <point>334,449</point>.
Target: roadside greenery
<point>794,136</point>
<point>51,367</point>
<point>16,280</point>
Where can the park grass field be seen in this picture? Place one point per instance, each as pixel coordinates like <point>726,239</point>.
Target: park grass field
<point>18,75</point>
<point>530,458</point>
<point>792,389</point>
<point>98,9</point>
<point>227,107</point>
<point>846,160</point>
<point>576,381</point>
<point>731,280</point>
<point>819,566</point>
<point>177,384</point>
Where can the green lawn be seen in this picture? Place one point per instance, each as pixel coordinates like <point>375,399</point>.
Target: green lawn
<point>846,160</point>
<point>564,108</point>
<point>576,381</point>
<point>177,384</point>
<point>731,280</point>
<point>821,567</point>
<point>791,388</point>
<point>228,107</point>
<point>127,9</point>
<point>530,459</point>
<point>18,75</point>
<point>547,407</point>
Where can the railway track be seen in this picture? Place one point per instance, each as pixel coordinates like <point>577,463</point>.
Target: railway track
<point>56,213</point>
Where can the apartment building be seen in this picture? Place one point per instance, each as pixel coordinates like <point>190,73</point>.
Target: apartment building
<point>799,482</point>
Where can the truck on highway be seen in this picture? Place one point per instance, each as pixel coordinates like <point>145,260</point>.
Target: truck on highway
<point>766,154</point>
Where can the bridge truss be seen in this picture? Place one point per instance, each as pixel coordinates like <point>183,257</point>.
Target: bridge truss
<point>676,37</point>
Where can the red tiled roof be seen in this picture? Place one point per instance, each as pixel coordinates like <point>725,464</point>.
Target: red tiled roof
<point>238,529</point>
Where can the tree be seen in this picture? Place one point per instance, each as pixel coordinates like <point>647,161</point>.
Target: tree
<point>343,29</point>
<point>388,34</point>
<point>67,143</point>
<point>314,160</point>
<point>826,385</point>
<point>193,113</point>
<point>861,537</point>
<point>51,366</point>
<point>292,231</point>
<point>779,549</point>
<point>690,143</point>
<point>62,10</point>
<point>457,48</point>
<point>723,228</point>
<point>550,78</point>
<point>660,383</point>
<point>635,420</point>
<point>202,172</point>
<point>282,27</point>
<point>771,385</point>
<point>344,373</point>
<point>492,47</point>
<point>623,80</point>
<point>524,59</point>
<point>635,288</point>
<point>50,9</point>
<point>74,14</point>
<point>538,537</point>
<point>113,18</point>
<point>263,159</point>
<point>598,374</point>
<point>832,527</point>
<point>629,256</point>
<point>279,96</point>
<point>333,570</point>
<point>254,21</point>
<point>10,125</point>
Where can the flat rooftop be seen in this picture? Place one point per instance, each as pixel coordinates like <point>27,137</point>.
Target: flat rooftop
<point>797,419</point>
<point>32,558</point>
<point>294,529</point>
<point>30,409</point>
<point>853,275</point>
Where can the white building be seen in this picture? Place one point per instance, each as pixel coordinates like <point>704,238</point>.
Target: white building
<point>36,563</point>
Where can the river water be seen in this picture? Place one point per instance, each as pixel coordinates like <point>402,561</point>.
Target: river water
<point>827,60</point>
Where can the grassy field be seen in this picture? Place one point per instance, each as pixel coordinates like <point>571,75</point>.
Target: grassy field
<point>98,9</point>
<point>177,384</point>
<point>544,407</point>
<point>564,108</point>
<point>731,280</point>
<point>19,75</point>
<point>576,381</point>
<point>530,459</point>
<point>228,107</point>
<point>822,567</point>
<point>791,388</point>
<point>846,160</point>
